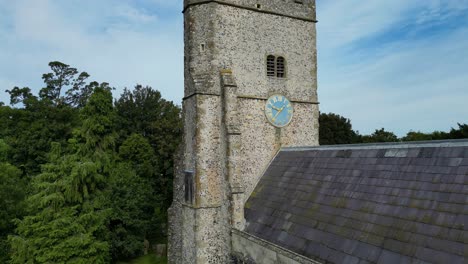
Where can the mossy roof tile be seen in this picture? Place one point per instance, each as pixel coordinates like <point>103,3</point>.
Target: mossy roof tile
<point>379,204</point>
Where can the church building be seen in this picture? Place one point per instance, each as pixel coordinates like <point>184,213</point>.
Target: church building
<point>253,186</point>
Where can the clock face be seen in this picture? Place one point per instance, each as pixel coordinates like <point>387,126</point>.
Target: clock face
<point>278,110</point>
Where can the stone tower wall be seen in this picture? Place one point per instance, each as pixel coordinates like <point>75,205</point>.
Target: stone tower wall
<point>244,38</point>
<point>228,142</point>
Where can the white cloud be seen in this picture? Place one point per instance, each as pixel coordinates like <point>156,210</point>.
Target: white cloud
<point>118,42</point>
<point>134,15</point>
<point>345,21</point>
<point>418,83</point>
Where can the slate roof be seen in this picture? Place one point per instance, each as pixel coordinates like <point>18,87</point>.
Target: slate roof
<point>383,203</point>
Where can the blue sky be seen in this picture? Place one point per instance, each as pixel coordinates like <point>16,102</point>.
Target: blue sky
<point>401,64</point>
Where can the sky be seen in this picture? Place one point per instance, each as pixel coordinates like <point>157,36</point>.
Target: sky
<point>401,65</point>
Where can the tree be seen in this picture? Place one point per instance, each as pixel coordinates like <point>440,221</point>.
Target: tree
<point>380,135</point>
<point>420,136</point>
<point>131,200</point>
<point>461,132</point>
<point>49,117</point>
<point>22,95</point>
<point>335,129</point>
<point>30,132</point>
<point>12,192</point>
<point>143,111</point>
<point>138,153</point>
<point>68,211</point>
<point>86,203</point>
<point>65,77</point>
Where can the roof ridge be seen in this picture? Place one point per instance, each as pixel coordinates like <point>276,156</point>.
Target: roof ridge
<point>386,145</point>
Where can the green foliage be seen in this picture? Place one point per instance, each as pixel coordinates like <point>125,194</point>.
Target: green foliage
<point>380,135</point>
<point>98,129</point>
<point>335,129</point>
<point>417,136</point>
<point>143,111</point>
<point>131,203</point>
<point>30,133</point>
<point>64,77</point>
<point>137,150</point>
<point>138,153</point>
<point>68,211</point>
<point>63,235</point>
<point>22,95</point>
<point>49,117</point>
<point>461,132</point>
<point>4,148</point>
<point>12,192</point>
<point>88,203</point>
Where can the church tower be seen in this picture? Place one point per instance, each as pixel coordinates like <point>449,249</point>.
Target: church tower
<point>250,89</point>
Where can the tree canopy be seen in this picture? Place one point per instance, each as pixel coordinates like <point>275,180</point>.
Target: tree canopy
<point>12,193</point>
<point>336,129</point>
<point>91,177</point>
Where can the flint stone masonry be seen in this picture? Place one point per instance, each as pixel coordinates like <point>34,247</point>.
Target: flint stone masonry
<point>381,203</point>
<point>228,142</point>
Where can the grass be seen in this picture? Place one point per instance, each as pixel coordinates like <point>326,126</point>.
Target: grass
<point>148,259</point>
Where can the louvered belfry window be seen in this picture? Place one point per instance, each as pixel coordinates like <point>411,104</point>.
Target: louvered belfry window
<point>271,66</point>
<point>276,66</point>
<point>280,67</point>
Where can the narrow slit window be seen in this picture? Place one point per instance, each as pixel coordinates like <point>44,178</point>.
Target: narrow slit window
<point>189,190</point>
<point>280,67</point>
<point>271,66</point>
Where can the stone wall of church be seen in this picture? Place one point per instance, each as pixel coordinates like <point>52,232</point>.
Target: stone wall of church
<point>242,41</point>
<point>248,249</point>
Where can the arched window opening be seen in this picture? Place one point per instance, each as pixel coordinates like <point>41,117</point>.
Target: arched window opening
<point>280,67</point>
<point>271,66</point>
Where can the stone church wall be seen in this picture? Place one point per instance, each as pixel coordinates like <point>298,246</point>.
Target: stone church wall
<point>243,39</point>
<point>249,249</point>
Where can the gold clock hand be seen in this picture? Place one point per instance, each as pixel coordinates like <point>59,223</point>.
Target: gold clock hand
<point>279,111</point>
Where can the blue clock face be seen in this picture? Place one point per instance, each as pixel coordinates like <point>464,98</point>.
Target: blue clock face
<point>278,110</point>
